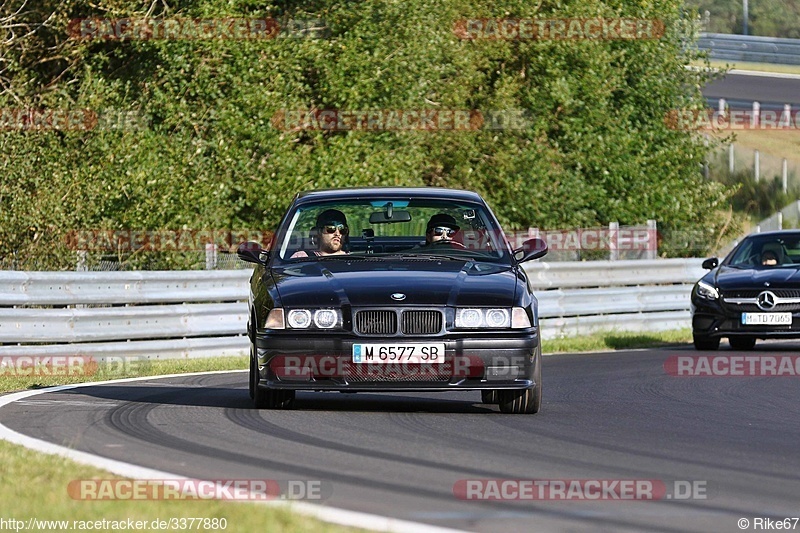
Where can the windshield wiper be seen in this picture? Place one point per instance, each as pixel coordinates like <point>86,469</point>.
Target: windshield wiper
<point>432,257</point>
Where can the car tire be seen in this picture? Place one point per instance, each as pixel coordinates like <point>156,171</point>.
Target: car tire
<point>252,377</point>
<point>705,343</point>
<point>518,402</point>
<point>525,401</point>
<point>266,398</point>
<point>742,343</point>
<point>489,396</point>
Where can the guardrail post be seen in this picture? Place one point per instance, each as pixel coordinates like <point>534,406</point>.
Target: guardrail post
<point>755,119</point>
<point>786,117</point>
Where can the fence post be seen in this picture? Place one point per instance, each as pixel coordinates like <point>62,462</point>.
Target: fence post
<point>730,159</point>
<point>613,241</point>
<point>785,175</point>
<point>755,119</point>
<point>780,219</point>
<point>721,107</point>
<point>652,239</point>
<point>756,165</point>
<point>81,266</point>
<point>211,256</point>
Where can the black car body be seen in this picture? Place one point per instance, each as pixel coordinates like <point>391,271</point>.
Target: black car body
<point>754,293</point>
<point>394,313</point>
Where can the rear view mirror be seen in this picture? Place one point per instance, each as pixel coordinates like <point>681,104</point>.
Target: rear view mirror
<point>390,217</point>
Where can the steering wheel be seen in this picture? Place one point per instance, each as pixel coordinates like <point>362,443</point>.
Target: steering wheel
<point>446,242</point>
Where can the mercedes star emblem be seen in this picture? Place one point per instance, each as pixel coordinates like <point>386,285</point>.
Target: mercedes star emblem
<point>766,301</point>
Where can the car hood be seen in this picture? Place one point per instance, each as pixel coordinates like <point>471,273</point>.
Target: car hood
<point>757,278</point>
<point>372,282</point>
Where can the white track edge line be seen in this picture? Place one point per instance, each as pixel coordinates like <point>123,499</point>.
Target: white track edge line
<point>332,515</point>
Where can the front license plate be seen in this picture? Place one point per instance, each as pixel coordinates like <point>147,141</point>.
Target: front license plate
<point>767,319</point>
<point>399,353</point>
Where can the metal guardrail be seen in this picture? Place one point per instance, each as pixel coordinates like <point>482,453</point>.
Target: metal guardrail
<point>730,47</point>
<point>588,297</point>
<point>163,315</point>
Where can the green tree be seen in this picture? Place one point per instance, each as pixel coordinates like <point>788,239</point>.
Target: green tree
<point>209,154</point>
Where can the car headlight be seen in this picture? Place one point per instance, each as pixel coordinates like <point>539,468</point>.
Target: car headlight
<point>706,291</point>
<point>325,318</point>
<point>493,318</point>
<point>299,318</point>
<point>313,318</point>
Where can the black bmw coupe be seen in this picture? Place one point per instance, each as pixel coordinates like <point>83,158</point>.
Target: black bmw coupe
<point>393,289</point>
<point>754,293</point>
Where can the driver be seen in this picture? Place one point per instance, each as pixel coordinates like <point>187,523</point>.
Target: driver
<point>769,258</point>
<point>441,227</point>
<point>330,233</point>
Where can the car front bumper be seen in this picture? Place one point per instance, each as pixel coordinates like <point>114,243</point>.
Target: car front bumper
<point>470,363</point>
<point>711,319</point>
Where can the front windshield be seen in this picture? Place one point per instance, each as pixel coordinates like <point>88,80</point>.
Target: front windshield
<point>375,228</point>
<point>767,251</point>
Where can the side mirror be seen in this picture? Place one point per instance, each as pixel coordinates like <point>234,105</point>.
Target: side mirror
<point>252,252</point>
<point>710,263</point>
<point>530,250</point>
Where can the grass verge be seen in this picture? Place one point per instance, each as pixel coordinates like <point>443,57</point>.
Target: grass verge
<point>747,65</point>
<point>615,340</point>
<point>34,485</point>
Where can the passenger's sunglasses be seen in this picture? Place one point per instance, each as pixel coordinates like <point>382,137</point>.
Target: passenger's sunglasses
<point>330,229</point>
<point>442,230</point>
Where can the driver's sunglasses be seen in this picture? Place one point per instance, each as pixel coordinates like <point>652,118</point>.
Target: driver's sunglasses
<point>330,229</point>
<point>443,230</point>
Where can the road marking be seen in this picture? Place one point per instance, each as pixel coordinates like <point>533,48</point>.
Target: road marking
<point>326,514</point>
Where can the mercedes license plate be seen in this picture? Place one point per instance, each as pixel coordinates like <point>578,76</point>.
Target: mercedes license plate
<point>767,319</point>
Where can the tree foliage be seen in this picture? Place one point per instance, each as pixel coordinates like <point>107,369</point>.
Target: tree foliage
<point>203,151</point>
<point>767,18</point>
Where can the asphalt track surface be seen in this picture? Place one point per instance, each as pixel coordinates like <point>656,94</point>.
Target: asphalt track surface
<point>607,416</point>
<point>741,91</point>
